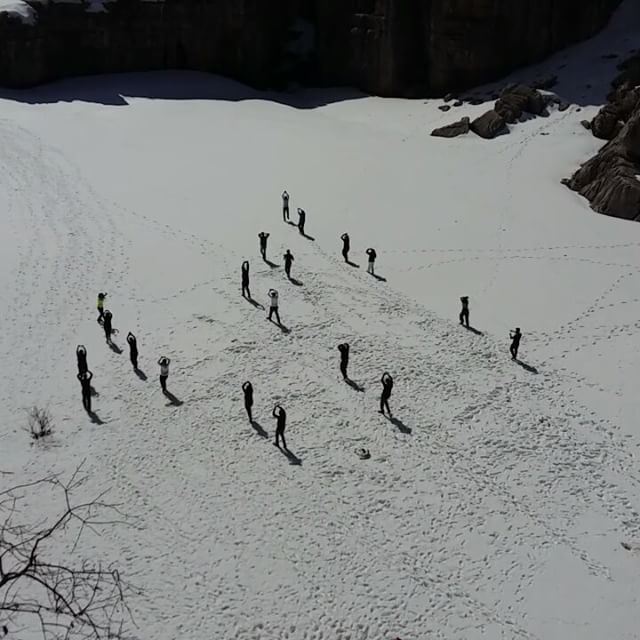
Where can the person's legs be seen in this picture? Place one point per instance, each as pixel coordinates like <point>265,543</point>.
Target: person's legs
<point>287,270</point>
<point>284,442</point>
<point>277,437</point>
<point>88,404</point>
<point>277,315</point>
<point>163,383</point>
<point>514,352</point>
<point>382,401</point>
<point>345,255</point>
<point>247,406</point>
<point>386,404</point>
<point>134,361</point>
<point>343,369</point>
<point>461,317</point>
<point>271,310</point>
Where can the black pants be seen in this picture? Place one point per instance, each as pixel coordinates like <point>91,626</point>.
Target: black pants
<point>86,399</point>
<point>263,252</point>
<point>285,212</point>
<point>163,383</point>
<point>287,270</point>
<point>384,403</point>
<point>301,227</point>
<point>248,406</point>
<point>107,333</point>
<point>345,255</point>
<point>514,351</point>
<point>245,291</point>
<point>343,369</point>
<point>464,318</point>
<point>100,314</point>
<point>273,310</point>
<point>134,359</point>
<point>280,434</point>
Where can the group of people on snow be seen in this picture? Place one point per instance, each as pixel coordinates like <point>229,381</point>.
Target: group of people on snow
<point>105,318</point>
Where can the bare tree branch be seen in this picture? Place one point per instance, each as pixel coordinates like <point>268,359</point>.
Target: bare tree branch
<point>61,600</point>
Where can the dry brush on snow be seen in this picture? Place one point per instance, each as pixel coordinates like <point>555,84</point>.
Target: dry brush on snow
<point>51,595</point>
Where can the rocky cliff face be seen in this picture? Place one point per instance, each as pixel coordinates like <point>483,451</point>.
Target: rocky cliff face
<point>386,47</point>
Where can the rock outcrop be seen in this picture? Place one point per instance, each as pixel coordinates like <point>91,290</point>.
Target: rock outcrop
<point>609,180</point>
<point>453,130</point>
<point>385,47</point>
<point>489,125</point>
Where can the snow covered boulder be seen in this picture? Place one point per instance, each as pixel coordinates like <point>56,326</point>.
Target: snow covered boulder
<point>490,125</point>
<point>453,130</point>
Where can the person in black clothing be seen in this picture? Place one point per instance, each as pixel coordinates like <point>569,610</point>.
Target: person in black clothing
<point>288,261</point>
<point>346,246</point>
<point>263,244</point>
<point>464,314</point>
<point>133,350</point>
<point>106,325</point>
<point>302,217</point>
<point>81,355</point>
<point>372,259</point>
<point>85,382</point>
<point>247,388</point>
<point>515,342</point>
<point>387,386</point>
<point>344,359</point>
<point>285,206</point>
<point>281,416</point>
<point>245,280</point>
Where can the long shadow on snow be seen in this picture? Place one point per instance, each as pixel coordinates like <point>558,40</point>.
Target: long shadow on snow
<point>173,401</point>
<point>474,330</point>
<point>115,89</point>
<point>255,303</point>
<point>140,373</point>
<point>526,367</point>
<point>259,429</point>
<point>95,418</point>
<point>292,457</point>
<point>114,347</point>
<point>353,384</point>
<point>401,426</point>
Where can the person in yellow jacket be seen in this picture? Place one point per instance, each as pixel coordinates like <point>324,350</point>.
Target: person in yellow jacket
<point>100,306</point>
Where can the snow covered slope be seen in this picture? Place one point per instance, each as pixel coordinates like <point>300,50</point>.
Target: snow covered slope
<point>492,507</point>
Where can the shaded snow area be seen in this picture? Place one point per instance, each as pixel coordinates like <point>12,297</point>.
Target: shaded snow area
<point>494,505</point>
<point>18,9</point>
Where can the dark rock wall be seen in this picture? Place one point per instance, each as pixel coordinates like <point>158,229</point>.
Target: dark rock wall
<point>386,47</point>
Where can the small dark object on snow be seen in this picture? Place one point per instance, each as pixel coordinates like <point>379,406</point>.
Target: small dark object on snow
<point>444,107</point>
<point>586,124</point>
<point>363,454</point>
<point>458,103</point>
